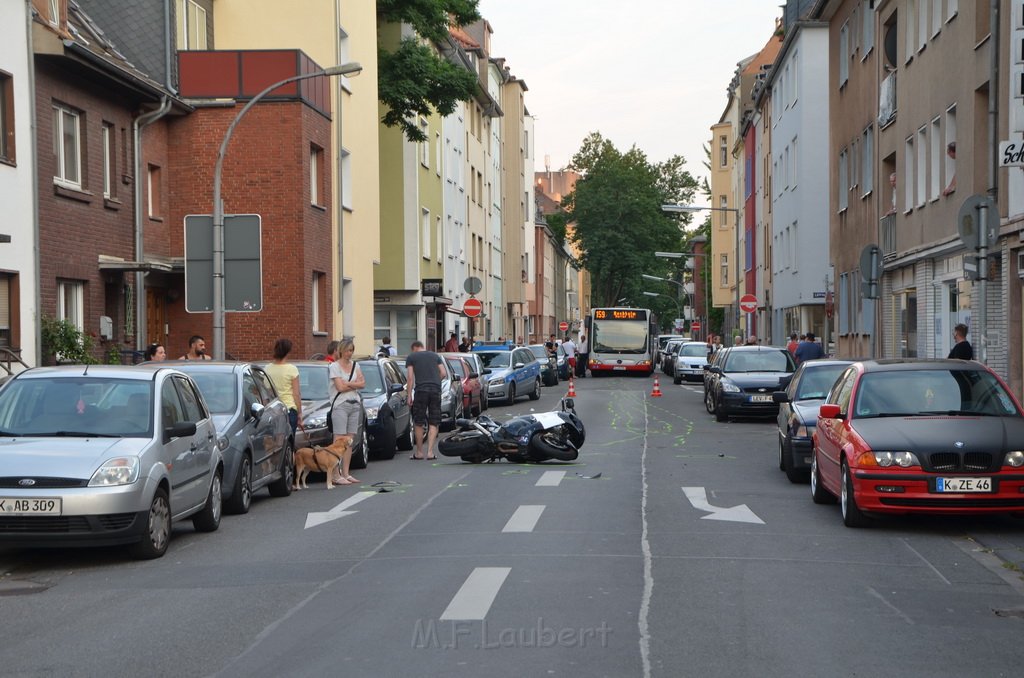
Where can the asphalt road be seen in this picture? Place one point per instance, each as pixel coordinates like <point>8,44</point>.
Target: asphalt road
<point>623,564</point>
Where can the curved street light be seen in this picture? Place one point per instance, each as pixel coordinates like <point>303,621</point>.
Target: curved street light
<point>674,300</point>
<point>350,68</point>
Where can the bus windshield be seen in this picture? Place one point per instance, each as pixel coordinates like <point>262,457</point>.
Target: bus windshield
<point>618,336</point>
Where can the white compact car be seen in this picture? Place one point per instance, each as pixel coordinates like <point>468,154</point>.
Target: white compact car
<point>690,362</point>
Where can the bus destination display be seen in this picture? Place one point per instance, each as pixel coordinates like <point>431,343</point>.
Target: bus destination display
<point>619,314</point>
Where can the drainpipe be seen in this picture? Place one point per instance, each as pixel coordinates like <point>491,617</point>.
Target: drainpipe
<point>34,160</point>
<point>138,124</point>
<point>990,218</point>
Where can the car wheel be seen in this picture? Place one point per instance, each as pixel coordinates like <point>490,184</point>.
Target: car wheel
<point>536,390</point>
<point>511,393</point>
<point>389,438</point>
<point>852,515</point>
<point>677,380</point>
<point>282,487</point>
<point>708,404</point>
<point>404,441</point>
<point>158,530</point>
<point>720,414</point>
<point>208,519</point>
<point>484,402</point>
<point>360,453</point>
<point>782,456</point>
<point>818,493</point>
<point>241,494</point>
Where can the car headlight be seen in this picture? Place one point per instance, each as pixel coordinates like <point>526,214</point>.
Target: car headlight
<point>496,382</point>
<point>222,443</point>
<point>729,387</point>
<point>318,421</point>
<point>902,458</point>
<point>117,471</point>
<point>1014,459</point>
<point>561,361</point>
<point>372,412</point>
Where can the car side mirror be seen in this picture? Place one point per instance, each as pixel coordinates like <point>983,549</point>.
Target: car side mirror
<point>716,370</point>
<point>182,429</point>
<point>520,366</point>
<point>256,410</point>
<point>473,375</point>
<point>780,397</point>
<point>487,370</point>
<point>829,411</point>
<point>395,388</point>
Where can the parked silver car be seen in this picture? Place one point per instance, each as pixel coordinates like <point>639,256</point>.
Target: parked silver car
<point>101,455</point>
<point>254,434</point>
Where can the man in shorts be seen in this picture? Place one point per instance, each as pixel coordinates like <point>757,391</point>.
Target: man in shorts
<point>425,373</point>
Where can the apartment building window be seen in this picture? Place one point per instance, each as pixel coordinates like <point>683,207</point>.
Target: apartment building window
<point>796,166</point>
<point>318,297</point>
<point>868,27</point>
<point>425,238</point>
<point>343,58</point>
<point>723,203</point>
<point>346,179</point>
<point>905,307</point>
<point>908,174</point>
<point>71,302</point>
<point>936,17</point>
<point>844,179</point>
<point>6,117</point>
<point>794,244</point>
<point>438,149</point>
<point>935,165</point>
<point>952,7</point>
<point>844,49</point>
<point>854,159</point>
<point>439,234</point>
<point>108,160</point>
<point>795,89</point>
<point>922,166</point>
<point>910,24</point>
<point>724,271</point>
<point>316,155</point>
<point>67,147</point>
<point>425,144</point>
<point>723,151</point>
<point>153,192</point>
<point>866,165</point>
<point>54,12</point>
<point>191,25</point>
<point>5,309</point>
<point>922,24</point>
<point>950,161</point>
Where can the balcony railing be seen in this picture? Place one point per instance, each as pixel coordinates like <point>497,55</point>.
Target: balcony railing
<point>887,100</point>
<point>888,236</point>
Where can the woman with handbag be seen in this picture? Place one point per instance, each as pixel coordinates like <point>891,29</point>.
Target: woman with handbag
<point>346,382</point>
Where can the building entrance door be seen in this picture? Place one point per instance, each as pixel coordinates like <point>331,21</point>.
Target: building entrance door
<point>156,316</point>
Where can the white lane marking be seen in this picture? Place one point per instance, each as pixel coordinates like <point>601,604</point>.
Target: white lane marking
<point>645,547</point>
<point>524,519</point>
<point>698,496</point>
<point>550,479</point>
<point>899,613</point>
<point>320,517</point>
<point>926,562</point>
<point>476,595</point>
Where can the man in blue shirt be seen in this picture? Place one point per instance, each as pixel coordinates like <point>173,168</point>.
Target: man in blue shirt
<point>809,349</point>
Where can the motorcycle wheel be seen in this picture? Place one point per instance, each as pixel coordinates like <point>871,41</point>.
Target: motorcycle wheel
<point>550,445</point>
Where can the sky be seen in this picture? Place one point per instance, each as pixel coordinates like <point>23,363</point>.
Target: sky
<point>649,73</point>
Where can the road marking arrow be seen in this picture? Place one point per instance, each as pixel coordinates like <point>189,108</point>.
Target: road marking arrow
<point>698,496</point>
<point>320,517</point>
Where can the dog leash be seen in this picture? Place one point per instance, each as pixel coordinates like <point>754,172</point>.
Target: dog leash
<point>317,448</point>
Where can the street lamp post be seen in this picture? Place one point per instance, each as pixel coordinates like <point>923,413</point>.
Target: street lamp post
<point>218,207</point>
<point>691,209</point>
<point>681,286</point>
<point>683,255</point>
<point>674,300</point>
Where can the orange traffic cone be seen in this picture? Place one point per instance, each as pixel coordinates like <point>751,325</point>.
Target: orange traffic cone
<point>656,393</point>
<point>572,389</point>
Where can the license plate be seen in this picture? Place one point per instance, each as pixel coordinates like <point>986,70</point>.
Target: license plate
<point>30,506</point>
<point>958,485</point>
<point>760,398</point>
<point>619,367</point>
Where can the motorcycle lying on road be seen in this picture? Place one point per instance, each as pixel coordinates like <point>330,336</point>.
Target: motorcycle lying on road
<point>528,438</point>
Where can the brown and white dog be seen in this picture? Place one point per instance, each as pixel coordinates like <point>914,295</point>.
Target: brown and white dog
<point>324,459</point>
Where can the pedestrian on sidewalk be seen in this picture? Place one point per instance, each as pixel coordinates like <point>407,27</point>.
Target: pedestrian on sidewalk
<point>196,349</point>
<point>583,357</point>
<point>285,378</point>
<point>962,349</point>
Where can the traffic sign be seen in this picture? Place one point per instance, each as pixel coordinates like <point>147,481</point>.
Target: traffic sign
<point>695,326</point>
<point>243,263</point>
<point>563,326</point>
<point>472,307</point>
<point>748,303</point>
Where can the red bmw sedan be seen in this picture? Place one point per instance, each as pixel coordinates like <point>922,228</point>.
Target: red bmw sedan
<point>918,436</point>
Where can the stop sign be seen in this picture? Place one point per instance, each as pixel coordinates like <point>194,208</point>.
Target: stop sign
<point>748,303</point>
<point>472,307</point>
<point>695,326</point>
<point>563,326</point>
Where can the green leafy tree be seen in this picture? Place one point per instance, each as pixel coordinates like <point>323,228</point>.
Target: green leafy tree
<point>413,79</point>
<point>616,206</point>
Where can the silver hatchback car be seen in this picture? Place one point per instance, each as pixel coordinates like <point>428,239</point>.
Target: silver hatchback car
<point>101,455</point>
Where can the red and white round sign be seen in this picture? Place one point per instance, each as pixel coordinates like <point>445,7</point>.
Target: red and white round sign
<point>748,303</point>
<point>472,307</point>
<point>563,326</point>
<point>695,326</point>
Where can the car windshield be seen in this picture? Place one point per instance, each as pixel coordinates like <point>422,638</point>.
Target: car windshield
<point>371,374</point>
<point>495,358</point>
<point>757,361</point>
<point>909,393</point>
<point>694,351</point>
<point>219,389</point>
<point>815,382</point>
<point>79,407</point>
<point>314,382</point>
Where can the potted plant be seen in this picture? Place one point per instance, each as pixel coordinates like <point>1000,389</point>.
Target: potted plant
<point>63,342</point>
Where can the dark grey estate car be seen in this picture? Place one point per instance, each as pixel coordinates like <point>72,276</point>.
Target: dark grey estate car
<point>252,428</point>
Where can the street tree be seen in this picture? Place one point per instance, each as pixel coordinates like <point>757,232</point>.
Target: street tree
<point>619,224</point>
<point>413,78</point>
